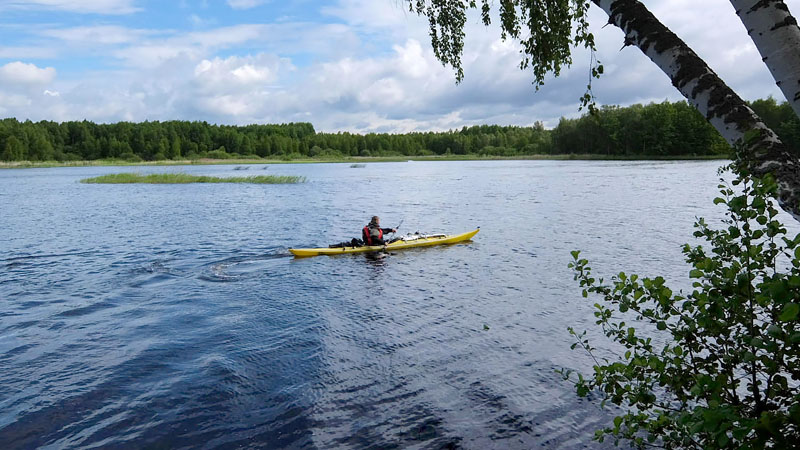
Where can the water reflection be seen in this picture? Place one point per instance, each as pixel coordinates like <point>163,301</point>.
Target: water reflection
<point>377,260</point>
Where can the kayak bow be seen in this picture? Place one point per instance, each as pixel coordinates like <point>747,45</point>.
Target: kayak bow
<point>410,241</point>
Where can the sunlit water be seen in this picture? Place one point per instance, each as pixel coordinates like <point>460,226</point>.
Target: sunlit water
<point>174,316</point>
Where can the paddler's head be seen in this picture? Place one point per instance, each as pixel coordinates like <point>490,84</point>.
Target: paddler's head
<point>375,221</point>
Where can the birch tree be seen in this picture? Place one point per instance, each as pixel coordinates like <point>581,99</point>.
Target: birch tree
<point>548,29</point>
<point>775,33</point>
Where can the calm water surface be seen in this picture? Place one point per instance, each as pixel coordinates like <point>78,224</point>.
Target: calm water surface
<point>173,315</point>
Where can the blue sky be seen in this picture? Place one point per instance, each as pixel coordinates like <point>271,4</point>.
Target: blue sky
<point>343,65</point>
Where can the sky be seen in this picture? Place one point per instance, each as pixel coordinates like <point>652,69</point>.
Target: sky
<point>343,65</point>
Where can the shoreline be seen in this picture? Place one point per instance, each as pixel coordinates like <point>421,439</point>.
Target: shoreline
<point>354,159</point>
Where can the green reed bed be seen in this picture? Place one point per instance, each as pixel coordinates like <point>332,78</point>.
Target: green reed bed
<point>182,178</point>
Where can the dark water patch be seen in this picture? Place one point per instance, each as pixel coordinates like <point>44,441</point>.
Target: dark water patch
<point>428,430</point>
<point>36,257</point>
<point>157,278</point>
<point>158,266</point>
<point>57,326</point>
<point>12,353</point>
<point>30,304</point>
<point>22,325</point>
<point>38,428</point>
<point>88,309</point>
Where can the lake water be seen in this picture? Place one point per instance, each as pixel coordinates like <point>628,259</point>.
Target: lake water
<point>173,315</point>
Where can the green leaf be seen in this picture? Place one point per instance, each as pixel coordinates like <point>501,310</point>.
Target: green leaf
<point>661,326</point>
<point>790,311</point>
<point>740,433</point>
<point>778,291</point>
<point>738,203</point>
<point>695,273</point>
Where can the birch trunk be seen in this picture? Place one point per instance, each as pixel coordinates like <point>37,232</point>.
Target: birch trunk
<point>722,107</point>
<point>777,37</point>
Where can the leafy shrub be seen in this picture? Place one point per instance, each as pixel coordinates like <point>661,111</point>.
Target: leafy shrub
<point>292,156</point>
<point>496,151</point>
<point>727,375</point>
<point>217,154</point>
<point>130,157</point>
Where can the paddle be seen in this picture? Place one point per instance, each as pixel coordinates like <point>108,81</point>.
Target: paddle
<point>395,231</point>
<point>397,227</point>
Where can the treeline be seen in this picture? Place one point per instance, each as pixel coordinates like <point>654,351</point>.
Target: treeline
<point>657,129</point>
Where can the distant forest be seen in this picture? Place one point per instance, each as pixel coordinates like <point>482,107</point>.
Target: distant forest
<point>655,130</point>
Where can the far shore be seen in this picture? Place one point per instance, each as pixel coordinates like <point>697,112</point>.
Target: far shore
<point>354,159</point>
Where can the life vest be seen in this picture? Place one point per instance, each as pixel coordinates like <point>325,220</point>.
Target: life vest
<point>371,233</point>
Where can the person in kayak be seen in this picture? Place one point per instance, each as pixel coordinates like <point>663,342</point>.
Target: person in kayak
<point>372,234</point>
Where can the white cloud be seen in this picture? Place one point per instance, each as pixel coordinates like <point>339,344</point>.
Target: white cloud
<point>236,73</point>
<point>241,87</point>
<point>110,7</point>
<point>148,53</point>
<point>26,52</point>
<point>226,36</point>
<point>199,22</point>
<point>226,105</point>
<point>10,103</point>
<point>146,56</point>
<point>100,34</point>
<point>383,16</point>
<point>20,73</point>
<point>245,4</point>
<point>326,41</point>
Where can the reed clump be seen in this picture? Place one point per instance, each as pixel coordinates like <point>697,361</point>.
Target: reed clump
<point>182,178</point>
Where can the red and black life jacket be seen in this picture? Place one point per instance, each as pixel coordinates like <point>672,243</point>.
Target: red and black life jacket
<point>368,234</point>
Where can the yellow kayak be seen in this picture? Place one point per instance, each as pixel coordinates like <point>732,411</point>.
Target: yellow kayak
<point>408,241</point>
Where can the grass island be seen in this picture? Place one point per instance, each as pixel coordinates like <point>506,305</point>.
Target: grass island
<point>182,178</point>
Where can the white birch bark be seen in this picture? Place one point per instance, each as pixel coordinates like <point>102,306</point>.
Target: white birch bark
<point>721,106</point>
<point>777,37</point>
